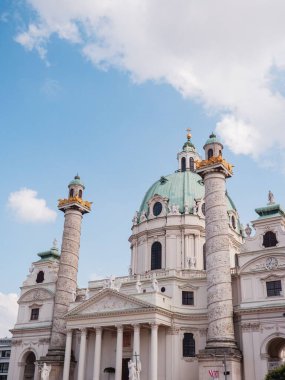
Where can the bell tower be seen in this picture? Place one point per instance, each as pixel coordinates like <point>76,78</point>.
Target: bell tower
<point>221,350</point>
<point>73,207</point>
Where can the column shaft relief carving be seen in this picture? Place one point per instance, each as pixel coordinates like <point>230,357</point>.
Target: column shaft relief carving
<point>67,274</point>
<point>220,309</point>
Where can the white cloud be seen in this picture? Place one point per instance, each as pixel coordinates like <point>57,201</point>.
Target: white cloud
<point>28,208</point>
<point>8,313</point>
<point>220,53</point>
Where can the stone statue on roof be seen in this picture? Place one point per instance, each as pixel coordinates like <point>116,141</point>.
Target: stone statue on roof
<point>271,199</point>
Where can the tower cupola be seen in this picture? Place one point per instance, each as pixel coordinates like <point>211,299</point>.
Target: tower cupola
<point>186,158</point>
<point>213,147</point>
<point>76,188</point>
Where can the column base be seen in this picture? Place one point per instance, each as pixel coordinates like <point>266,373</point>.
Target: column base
<point>55,358</point>
<point>212,359</point>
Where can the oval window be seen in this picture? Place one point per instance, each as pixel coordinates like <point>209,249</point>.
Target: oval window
<point>157,208</point>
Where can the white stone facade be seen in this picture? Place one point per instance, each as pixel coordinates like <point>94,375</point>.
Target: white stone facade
<point>159,311</point>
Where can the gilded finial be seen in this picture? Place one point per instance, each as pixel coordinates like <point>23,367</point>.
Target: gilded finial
<point>188,134</point>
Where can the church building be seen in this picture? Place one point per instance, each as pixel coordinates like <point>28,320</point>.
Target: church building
<point>203,298</point>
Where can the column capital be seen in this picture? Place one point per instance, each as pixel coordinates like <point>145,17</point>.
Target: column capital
<point>98,330</point>
<point>154,325</point>
<point>83,330</point>
<point>120,328</point>
<point>136,325</point>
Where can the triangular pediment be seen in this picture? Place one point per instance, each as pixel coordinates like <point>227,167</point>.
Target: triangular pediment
<point>188,286</point>
<point>107,301</point>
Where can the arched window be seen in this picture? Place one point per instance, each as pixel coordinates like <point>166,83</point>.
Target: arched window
<point>191,164</point>
<point>40,277</point>
<point>71,192</point>
<point>204,209</point>
<point>188,345</point>
<point>29,371</point>
<point>156,255</point>
<point>80,193</point>
<point>269,239</point>
<point>183,164</point>
<point>204,257</point>
<point>210,153</point>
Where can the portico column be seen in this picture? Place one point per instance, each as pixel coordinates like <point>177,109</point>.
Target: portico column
<point>82,351</point>
<point>153,351</point>
<point>119,353</point>
<point>136,345</point>
<point>67,355</point>
<point>97,354</point>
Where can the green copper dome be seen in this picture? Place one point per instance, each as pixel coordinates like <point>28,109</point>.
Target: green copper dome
<point>76,181</point>
<point>212,139</point>
<point>188,144</point>
<point>180,188</point>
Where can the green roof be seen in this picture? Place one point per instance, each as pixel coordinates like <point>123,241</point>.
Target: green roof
<point>188,145</point>
<point>52,254</point>
<point>76,181</point>
<point>212,139</point>
<point>270,211</point>
<point>180,188</point>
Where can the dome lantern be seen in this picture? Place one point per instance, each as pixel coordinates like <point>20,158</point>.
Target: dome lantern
<point>76,187</point>
<point>186,158</point>
<point>213,147</point>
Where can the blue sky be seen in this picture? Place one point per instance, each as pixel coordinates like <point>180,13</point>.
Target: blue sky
<point>119,123</point>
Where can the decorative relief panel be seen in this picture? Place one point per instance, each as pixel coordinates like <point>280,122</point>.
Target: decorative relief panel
<point>250,326</point>
<point>36,295</point>
<point>265,264</point>
<point>109,304</point>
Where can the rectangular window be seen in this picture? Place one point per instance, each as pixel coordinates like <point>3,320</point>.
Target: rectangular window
<point>4,367</point>
<point>35,314</point>
<point>5,354</point>
<point>273,288</point>
<point>187,298</point>
<point>188,345</point>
